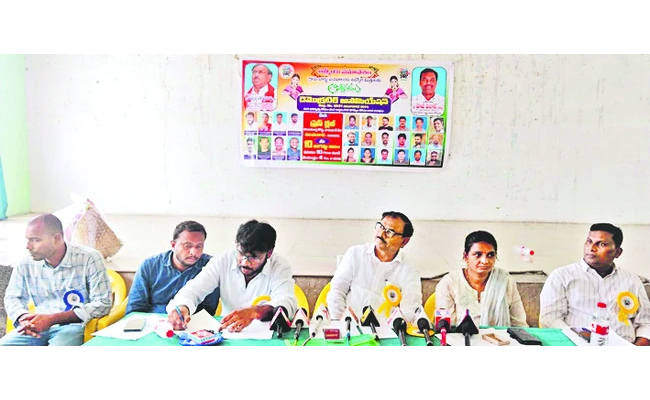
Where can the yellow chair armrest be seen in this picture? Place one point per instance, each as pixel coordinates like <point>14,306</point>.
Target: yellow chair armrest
<point>91,327</point>
<point>113,316</point>
<point>116,314</point>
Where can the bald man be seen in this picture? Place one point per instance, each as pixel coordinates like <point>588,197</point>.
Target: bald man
<point>261,95</point>
<point>68,284</point>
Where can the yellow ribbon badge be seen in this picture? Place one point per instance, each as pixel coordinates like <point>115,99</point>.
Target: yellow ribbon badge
<point>393,297</point>
<point>629,304</point>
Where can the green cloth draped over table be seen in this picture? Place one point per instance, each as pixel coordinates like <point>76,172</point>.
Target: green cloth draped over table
<point>548,336</point>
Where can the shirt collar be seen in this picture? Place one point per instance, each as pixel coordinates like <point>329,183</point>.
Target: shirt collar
<point>170,264</point>
<point>587,268</point>
<point>65,261</point>
<point>370,249</point>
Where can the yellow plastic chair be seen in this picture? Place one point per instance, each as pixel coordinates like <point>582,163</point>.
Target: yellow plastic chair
<point>218,312</point>
<point>118,309</point>
<point>430,306</point>
<point>300,296</point>
<point>322,297</point>
<point>302,299</point>
<point>118,306</point>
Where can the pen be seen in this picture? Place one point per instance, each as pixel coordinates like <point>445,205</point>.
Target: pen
<point>178,310</point>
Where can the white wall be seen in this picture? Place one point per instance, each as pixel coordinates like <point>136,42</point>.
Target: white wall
<point>535,138</point>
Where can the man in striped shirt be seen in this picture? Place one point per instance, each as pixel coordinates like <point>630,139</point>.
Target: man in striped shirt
<point>570,294</point>
<point>67,283</point>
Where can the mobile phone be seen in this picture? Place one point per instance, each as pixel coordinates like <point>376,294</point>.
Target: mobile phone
<point>523,336</point>
<point>583,333</point>
<point>135,325</point>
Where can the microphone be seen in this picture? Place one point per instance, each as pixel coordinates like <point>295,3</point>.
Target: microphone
<point>321,318</point>
<point>299,320</point>
<point>398,323</point>
<point>467,327</point>
<point>370,319</point>
<point>443,324</point>
<point>399,326</point>
<point>349,316</point>
<point>280,323</point>
<point>424,325</point>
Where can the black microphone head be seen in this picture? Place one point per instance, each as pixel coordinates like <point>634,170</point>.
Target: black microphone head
<point>443,324</point>
<point>423,324</point>
<point>399,324</point>
<point>300,317</point>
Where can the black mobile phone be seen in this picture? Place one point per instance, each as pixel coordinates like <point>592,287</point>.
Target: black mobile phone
<point>523,336</point>
<point>135,325</point>
<point>583,333</point>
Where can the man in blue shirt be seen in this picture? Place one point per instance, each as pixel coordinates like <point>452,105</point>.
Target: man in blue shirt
<point>161,276</point>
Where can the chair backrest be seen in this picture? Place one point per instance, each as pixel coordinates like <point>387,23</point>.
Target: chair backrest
<point>302,299</point>
<point>430,306</point>
<point>322,297</point>
<point>118,287</point>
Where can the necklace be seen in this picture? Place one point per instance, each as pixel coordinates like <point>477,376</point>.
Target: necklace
<point>478,287</point>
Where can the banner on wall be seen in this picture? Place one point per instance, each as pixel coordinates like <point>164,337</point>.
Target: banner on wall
<point>344,114</point>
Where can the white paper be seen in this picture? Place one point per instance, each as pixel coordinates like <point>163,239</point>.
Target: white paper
<point>256,330</point>
<point>613,340</point>
<point>457,339</point>
<point>203,320</point>
<point>116,331</point>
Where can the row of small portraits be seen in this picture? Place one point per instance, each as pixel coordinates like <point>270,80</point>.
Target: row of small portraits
<point>401,123</point>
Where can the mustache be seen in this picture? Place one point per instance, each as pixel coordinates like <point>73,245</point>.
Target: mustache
<point>382,239</point>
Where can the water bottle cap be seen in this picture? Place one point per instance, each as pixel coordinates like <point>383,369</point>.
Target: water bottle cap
<point>601,305</point>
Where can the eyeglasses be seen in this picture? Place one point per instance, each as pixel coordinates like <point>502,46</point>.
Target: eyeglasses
<point>249,257</point>
<point>389,232</point>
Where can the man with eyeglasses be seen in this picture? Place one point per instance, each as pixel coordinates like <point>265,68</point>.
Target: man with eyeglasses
<point>161,276</point>
<point>242,275</point>
<point>365,270</point>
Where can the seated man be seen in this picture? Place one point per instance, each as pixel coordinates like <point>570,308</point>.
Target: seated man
<point>252,270</point>
<point>570,293</point>
<point>160,277</point>
<point>68,284</point>
<point>365,270</point>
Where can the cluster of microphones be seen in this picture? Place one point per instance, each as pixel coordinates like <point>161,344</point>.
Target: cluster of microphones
<point>281,324</point>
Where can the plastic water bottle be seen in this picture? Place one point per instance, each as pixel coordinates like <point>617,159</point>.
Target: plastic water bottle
<point>524,251</point>
<point>164,329</point>
<point>600,326</point>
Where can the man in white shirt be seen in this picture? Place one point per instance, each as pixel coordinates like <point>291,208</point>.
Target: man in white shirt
<point>427,102</point>
<point>365,270</point>
<point>294,125</point>
<point>570,293</point>
<point>250,271</point>
<point>261,96</point>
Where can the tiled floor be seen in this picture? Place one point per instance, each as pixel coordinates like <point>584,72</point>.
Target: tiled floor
<point>311,246</point>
